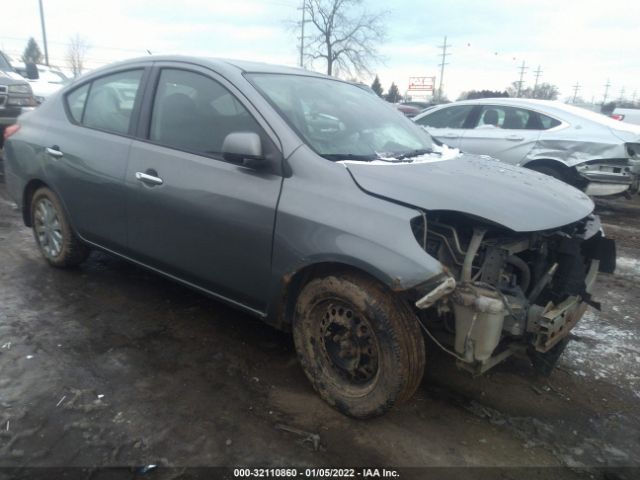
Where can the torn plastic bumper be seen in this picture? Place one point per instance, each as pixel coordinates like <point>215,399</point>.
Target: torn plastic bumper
<point>607,177</point>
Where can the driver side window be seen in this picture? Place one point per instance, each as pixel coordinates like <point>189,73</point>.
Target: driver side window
<point>195,113</point>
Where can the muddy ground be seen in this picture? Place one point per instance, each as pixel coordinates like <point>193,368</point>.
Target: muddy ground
<point>110,365</point>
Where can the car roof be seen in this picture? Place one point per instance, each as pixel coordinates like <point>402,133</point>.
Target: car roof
<point>218,64</point>
<point>551,107</point>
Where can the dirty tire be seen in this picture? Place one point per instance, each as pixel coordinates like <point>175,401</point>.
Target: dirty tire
<point>359,345</point>
<point>545,363</point>
<point>552,172</point>
<point>47,209</point>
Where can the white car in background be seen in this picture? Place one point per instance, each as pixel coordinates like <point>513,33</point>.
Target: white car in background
<point>45,81</point>
<point>629,115</point>
<point>588,150</point>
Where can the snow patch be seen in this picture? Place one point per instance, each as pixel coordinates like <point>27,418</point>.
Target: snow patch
<point>440,154</point>
<point>604,351</point>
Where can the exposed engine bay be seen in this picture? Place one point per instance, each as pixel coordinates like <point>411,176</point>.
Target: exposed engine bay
<point>504,292</point>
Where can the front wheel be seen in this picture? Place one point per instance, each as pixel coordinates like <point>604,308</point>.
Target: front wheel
<point>56,240</point>
<point>360,346</point>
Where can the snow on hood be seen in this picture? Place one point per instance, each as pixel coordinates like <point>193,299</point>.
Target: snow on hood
<point>516,198</point>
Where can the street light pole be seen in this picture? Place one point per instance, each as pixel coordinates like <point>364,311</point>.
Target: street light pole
<point>44,34</point>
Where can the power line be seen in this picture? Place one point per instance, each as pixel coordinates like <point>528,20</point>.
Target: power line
<point>444,47</point>
<point>538,73</point>
<point>576,88</point>
<point>44,34</point>
<point>304,11</point>
<point>523,68</point>
<point>621,94</point>
<point>606,91</point>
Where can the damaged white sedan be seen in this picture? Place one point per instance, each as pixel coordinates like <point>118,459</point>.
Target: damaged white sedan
<point>588,150</point>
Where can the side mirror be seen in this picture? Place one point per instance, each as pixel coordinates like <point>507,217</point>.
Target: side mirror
<point>32,71</point>
<point>242,147</point>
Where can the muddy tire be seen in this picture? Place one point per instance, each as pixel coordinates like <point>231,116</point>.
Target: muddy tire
<point>54,236</point>
<point>545,363</point>
<point>358,344</point>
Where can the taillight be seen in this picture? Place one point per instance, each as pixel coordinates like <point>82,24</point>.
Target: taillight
<point>10,130</point>
<point>617,116</point>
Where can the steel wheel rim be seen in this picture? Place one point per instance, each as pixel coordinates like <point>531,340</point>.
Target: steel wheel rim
<point>349,344</point>
<point>48,228</point>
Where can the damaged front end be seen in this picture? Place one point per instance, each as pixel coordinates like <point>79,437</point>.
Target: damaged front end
<point>504,292</point>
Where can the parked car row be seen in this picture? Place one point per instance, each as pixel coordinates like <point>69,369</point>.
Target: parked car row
<point>312,204</point>
<point>590,151</point>
<point>16,96</point>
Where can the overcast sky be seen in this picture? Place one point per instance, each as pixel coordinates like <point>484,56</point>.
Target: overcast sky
<point>573,41</point>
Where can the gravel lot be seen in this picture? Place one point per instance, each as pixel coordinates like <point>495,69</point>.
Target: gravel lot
<point>108,365</point>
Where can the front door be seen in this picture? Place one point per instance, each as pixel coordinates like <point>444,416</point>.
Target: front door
<point>446,124</point>
<point>192,214</point>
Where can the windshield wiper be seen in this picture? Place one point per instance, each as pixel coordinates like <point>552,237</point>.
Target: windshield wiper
<point>413,153</point>
<point>349,156</point>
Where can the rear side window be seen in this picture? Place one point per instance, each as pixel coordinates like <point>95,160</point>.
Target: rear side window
<point>76,101</point>
<point>111,101</point>
<point>548,122</point>
<point>450,117</point>
<point>195,113</point>
<point>514,118</point>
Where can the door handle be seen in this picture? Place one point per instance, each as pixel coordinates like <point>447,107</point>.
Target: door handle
<point>149,179</point>
<point>450,135</point>
<point>54,151</point>
<point>515,138</point>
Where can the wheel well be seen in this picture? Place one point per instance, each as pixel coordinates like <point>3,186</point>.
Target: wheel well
<point>547,163</point>
<point>294,283</point>
<point>27,195</point>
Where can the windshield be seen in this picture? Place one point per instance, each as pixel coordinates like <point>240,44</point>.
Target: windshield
<point>340,120</point>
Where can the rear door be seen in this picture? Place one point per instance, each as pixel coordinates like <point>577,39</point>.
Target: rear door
<point>447,124</point>
<point>87,155</point>
<point>504,132</point>
<point>204,220</point>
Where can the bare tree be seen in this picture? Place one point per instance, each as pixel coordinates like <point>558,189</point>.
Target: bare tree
<point>346,40</point>
<point>76,53</point>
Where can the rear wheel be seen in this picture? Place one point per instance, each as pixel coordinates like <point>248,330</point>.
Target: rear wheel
<point>56,240</point>
<point>360,347</point>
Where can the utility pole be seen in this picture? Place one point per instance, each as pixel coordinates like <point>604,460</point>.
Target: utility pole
<point>538,73</point>
<point>304,11</point>
<point>444,47</point>
<point>621,95</point>
<point>633,97</point>
<point>44,34</point>
<point>576,88</point>
<point>606,91</point>
<point>523,68</point>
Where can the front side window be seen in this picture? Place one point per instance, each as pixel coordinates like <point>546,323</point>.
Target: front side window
<point>448,117</point>
<point>340,120</point>
<point>195,113</point>
<point>111,99</point>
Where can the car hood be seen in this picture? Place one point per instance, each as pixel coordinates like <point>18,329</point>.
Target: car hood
<point>517,198</point>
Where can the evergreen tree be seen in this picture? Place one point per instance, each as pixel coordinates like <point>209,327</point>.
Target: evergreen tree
<point>393,95</point>
<point>32,53</point>
<point>377,87</point>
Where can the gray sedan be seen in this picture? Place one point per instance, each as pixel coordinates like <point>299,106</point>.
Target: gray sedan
<point>315,206</point>
<point>585,149</point>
